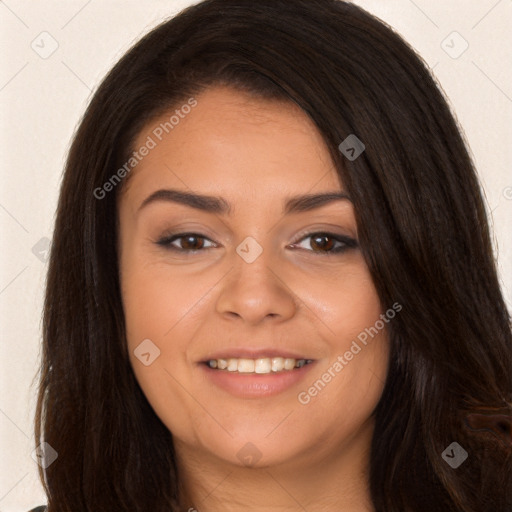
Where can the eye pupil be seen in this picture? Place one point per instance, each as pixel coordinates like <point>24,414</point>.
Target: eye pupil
<point>323,246</point>
<point>188,242</point>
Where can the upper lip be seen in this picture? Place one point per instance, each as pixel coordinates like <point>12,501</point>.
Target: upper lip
<point>249,353</point>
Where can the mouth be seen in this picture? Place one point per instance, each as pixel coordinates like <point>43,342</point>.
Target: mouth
<point>256,374</point>
<point>261,365</point>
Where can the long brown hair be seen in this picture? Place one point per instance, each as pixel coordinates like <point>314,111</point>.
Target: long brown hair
<point>423,232</point>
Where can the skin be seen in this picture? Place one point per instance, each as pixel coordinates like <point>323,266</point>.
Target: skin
<point>255,154</point>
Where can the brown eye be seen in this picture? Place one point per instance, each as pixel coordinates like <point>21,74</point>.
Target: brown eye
<point>328,243</point>
<point>322,242</point>
<point>191,242</point>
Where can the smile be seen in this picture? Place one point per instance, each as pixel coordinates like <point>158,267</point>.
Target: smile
<point>261,365</point>
<point>256,378</point>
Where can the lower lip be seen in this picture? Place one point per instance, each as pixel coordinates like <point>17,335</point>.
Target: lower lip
<point>256,385</point>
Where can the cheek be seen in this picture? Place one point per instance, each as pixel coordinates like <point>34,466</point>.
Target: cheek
<point>160,306</point>
<point>349,382</point>
<point>156,298</point>
<point>344,302</point>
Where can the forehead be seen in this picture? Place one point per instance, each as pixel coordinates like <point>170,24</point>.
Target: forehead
<point>235,145</point>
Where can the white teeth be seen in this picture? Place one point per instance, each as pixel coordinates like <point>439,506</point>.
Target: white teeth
<point>289,364</point>
<point>246,365</point>
<point>277,364</point>
<point>232,365</point>
<point>261,365</point>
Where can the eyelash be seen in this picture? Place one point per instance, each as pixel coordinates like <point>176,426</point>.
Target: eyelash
<point>347,242</point>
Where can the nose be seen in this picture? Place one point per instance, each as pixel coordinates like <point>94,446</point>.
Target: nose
<point>256,291</point>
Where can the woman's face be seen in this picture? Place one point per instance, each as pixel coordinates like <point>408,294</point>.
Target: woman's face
<point>253,282</point>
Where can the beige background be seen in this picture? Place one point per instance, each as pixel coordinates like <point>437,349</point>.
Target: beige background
<point>42,100</point>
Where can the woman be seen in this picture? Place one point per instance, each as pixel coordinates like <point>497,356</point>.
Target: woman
<point>271,283</point>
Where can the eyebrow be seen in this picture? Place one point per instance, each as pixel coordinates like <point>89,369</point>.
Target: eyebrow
<point>219,205</point>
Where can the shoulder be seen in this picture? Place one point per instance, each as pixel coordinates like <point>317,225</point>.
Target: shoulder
<point>42,508</point>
